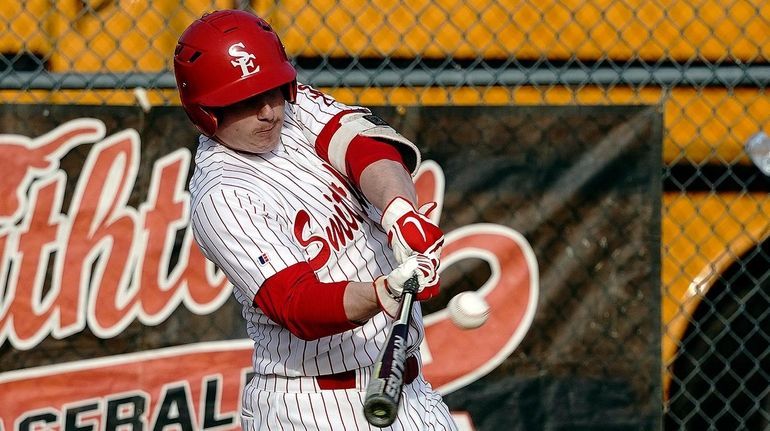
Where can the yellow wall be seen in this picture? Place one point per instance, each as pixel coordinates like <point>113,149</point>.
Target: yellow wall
<point>141,34</point>
<point>556,29</point>
<point>24,27</point>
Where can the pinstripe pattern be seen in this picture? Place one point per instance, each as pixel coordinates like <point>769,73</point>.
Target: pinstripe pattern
<point>281,403</point>
<point>255,215</point>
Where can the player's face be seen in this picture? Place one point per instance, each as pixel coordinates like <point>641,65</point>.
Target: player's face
<point>253,125</point>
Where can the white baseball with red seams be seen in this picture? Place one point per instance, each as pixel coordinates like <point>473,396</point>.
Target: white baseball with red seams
<point>257,214</point>
<point>468,310</point>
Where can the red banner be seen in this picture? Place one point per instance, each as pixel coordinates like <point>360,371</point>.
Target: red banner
<point>111,318</point>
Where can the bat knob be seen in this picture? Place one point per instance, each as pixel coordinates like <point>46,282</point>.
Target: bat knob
<point>380,411</point>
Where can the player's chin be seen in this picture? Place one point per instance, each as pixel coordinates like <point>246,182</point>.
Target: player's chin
<point>263,144</point>
<point>267,140</point>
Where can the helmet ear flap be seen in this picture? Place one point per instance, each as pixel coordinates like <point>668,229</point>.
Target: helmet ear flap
<point>203,119</point>
<point>290,91</point>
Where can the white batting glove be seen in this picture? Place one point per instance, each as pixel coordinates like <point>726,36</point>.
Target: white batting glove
<point>412,231</point>
<point>389,288</point>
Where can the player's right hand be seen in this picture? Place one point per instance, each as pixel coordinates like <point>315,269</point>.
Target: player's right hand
<point>389,288</point>
<point>411,230</point>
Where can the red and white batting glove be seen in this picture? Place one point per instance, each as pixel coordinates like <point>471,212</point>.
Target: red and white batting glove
<point>389,288</point>
<point>412,231</point>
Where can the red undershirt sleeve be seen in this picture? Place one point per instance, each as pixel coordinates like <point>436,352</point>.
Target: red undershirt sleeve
<point>310,309</point>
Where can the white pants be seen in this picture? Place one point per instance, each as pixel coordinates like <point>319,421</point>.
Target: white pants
<point>285,403</point>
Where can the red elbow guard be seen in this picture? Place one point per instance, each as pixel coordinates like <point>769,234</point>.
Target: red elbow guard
<point>353,139</point>
<point>364,151</point>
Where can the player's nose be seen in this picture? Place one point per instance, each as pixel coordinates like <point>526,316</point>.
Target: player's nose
<point>265,111</point>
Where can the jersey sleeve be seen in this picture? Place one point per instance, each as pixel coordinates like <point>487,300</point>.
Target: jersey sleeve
<point>243,237</point>
<point>331,127</point>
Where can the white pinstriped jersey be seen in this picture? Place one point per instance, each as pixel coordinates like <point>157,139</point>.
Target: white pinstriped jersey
<point>254,215</point>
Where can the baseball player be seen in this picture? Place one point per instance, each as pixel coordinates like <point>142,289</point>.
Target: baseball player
<point>307,205</point>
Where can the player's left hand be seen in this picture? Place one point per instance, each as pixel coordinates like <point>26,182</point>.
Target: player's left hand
<point>389,288</point>
<point>411,231</point>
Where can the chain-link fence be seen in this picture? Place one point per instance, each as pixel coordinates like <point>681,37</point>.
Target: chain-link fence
<point>703,63</point>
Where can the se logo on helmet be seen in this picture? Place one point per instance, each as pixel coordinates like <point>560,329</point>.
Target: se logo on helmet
<point>244,59</point>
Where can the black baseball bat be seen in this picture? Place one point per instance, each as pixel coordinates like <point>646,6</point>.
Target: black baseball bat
<point>383,392</point>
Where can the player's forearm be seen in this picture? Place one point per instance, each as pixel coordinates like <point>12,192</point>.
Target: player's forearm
<point>360,302</point>
<point>384,180</point>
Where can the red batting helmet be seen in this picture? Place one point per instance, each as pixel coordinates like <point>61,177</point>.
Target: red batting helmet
<point>225,57</point>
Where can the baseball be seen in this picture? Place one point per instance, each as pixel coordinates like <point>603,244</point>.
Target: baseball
<point>468,310</point>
